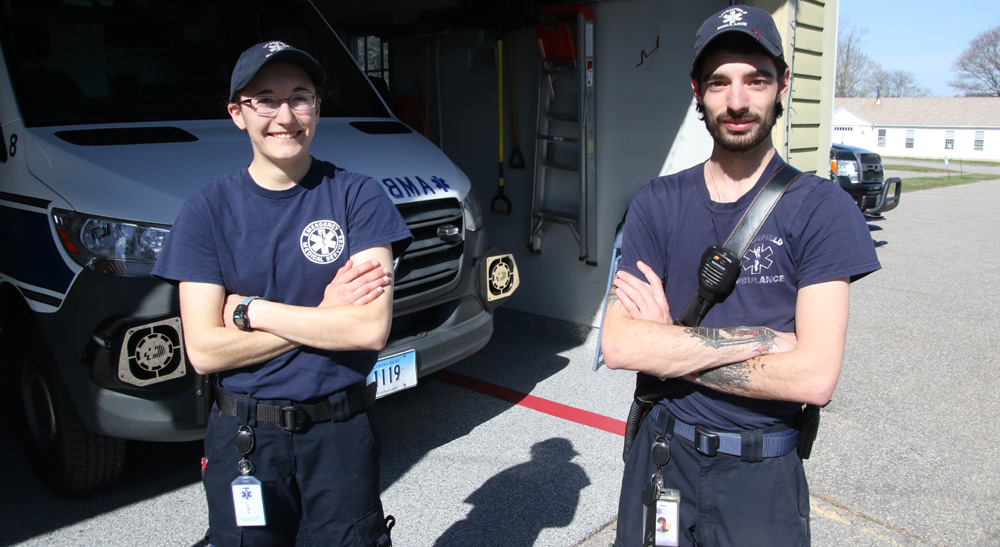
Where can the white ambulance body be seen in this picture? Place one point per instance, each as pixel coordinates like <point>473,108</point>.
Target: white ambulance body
<point>112,113</point>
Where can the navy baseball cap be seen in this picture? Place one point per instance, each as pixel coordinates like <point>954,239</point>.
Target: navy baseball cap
<point>253,59</point>
<point>752,21</point>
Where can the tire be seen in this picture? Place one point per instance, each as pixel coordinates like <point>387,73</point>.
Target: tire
<point>67,458</point>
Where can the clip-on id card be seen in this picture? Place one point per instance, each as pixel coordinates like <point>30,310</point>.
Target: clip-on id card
<point>248,501</point>
<point>664,520</point>
<point>248,497</point>
<point>660,506</point>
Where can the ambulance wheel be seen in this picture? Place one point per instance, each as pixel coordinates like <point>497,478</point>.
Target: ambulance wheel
<point>67,458</point>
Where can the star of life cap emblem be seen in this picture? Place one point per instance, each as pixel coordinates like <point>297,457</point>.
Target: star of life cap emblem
<point>275,47</point>
<point>732,16</point>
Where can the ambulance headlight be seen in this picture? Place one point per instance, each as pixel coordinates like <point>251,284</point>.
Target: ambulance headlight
<point>111,246</point>
<point>473,213</point>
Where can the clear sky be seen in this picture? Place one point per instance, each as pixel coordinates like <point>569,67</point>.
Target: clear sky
<point>921,36</point>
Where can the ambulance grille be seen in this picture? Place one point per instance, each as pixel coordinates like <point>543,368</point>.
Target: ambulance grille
<point>433,261</point>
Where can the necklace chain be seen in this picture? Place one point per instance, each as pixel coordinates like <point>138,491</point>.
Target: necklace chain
<point>716,186</point>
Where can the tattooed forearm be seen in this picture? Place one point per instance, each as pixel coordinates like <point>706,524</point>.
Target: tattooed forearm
<point>734,378</point>
<point>717,338</point>
<point>613,297</point>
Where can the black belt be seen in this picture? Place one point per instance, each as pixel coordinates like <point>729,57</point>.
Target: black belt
<point>294,416</point>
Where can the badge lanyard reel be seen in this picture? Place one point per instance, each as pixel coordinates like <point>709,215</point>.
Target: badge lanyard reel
<point>248,500</point>
<point>660,506</point>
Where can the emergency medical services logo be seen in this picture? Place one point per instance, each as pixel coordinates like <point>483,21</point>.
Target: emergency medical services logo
<point>731,18</point>
<point>322,241</point>
<point>761,260</point>
<point>758,258</point>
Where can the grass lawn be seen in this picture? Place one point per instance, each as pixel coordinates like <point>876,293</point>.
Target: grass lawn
<point>911,184</point>
<point>913,168</point>
<point>941,161</point>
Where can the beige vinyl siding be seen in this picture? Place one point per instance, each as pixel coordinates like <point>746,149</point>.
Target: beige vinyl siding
<point>809,29</point>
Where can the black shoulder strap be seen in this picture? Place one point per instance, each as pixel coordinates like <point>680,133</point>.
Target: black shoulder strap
<point>747,228</point>
<point>760,209</point>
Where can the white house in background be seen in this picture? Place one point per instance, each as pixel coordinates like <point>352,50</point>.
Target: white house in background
<point>959,128</point>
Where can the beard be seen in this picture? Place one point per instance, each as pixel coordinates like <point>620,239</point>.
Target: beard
<point>746,140</point>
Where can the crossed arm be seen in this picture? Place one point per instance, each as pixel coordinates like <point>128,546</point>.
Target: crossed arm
<point>750,361</point>
<point>355,314</point>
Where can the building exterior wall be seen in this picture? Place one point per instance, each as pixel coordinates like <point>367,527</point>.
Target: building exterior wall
<point>811,37</point>
<point>927,142</point>
<point>808,28</point>
<point>644,107</point>
<point>646,126</point>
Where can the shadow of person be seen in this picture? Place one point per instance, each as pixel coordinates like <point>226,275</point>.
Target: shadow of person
<point>416,421</point>
<point>514,506</point>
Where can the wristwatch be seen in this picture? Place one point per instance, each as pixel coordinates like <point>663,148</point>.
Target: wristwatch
<point>240,318</point>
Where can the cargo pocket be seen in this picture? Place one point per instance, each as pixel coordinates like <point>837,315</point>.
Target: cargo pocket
<point>370,530</point>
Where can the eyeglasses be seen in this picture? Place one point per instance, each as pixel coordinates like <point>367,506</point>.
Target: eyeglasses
<point>268,106</point>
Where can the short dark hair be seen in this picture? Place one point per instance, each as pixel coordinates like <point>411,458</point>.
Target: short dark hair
<point>735,43</point>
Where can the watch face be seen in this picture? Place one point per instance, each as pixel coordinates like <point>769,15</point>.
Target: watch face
<point>240,317</point>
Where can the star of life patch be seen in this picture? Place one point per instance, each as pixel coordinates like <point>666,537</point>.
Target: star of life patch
<point>322,241</point>
<point>731,18</point>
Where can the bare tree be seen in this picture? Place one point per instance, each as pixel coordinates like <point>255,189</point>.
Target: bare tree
<point>899,83</point>
<point>856,72</point>
<point>978,67</point>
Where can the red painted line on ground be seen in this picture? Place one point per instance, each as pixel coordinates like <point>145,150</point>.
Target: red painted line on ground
<point>546,406</point>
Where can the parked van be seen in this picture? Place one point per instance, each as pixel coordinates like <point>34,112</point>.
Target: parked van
<point>112,112</point>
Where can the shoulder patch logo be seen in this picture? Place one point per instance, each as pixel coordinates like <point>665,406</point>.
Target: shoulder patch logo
<point>322,241</point>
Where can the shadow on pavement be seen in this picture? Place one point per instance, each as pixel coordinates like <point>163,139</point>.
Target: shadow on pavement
<point>875,228</point>
<point>521,353</point>
<point>515,505</point>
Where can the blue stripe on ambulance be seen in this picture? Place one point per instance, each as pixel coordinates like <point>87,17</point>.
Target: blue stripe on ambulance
<point>30,254</point>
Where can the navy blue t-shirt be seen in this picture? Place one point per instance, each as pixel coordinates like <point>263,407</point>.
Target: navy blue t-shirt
<point>815,234</point>
<point>284,246</point>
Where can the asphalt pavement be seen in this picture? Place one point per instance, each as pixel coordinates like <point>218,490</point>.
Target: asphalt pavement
<point>519,444</point>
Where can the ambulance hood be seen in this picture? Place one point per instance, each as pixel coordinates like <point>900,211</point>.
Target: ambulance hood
<point>145,172</point>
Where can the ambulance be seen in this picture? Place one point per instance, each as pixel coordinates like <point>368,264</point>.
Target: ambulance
<point>112,112</point>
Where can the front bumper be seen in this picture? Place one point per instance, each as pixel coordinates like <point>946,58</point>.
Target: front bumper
<point>864,195</point>
<point>118,344</point>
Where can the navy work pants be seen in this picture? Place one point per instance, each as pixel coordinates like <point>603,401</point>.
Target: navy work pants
<point>328,474</point>
<point>724,501</point>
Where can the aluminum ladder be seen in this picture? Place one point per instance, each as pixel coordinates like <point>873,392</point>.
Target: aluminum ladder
<point>565,181</point>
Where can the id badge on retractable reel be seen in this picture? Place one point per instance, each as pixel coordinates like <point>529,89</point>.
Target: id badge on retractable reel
<point>662,519</point>
<point>248,501</point>
<point>248,497</point>
<point>660,506</point>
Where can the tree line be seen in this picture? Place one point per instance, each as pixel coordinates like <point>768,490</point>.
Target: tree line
<point>977,69</point>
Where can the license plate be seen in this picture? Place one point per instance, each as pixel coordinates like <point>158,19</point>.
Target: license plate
<point>394,373</point>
